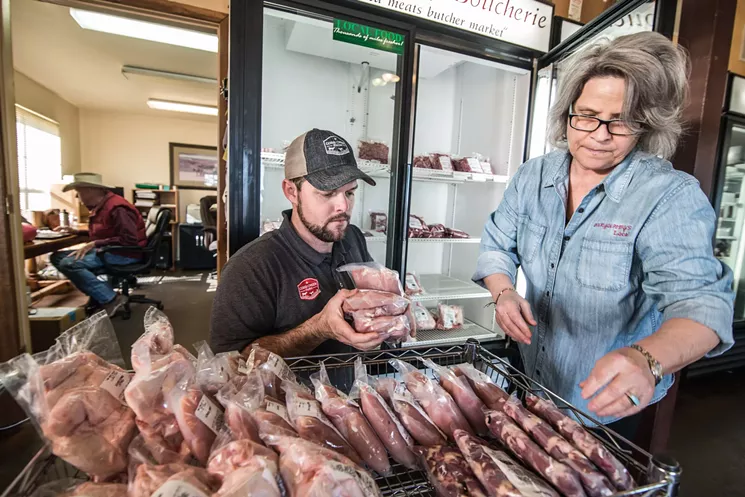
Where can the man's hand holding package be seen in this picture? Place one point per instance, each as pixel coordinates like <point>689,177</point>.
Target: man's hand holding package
<point>331,320</point>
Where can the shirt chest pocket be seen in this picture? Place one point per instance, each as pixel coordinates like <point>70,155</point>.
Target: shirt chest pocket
<point>529,238</point>
<point>604,265</point>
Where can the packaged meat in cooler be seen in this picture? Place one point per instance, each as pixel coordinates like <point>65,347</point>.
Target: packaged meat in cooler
<point>449,317</point>
<point>373,150</point>
<point>449,472</point>
<point>442,162</point>
<point>349,421</point>
<point>520,444</point>
<point>198,416</point>
<point>469,403</point>
<point>423,162</point>
<point>273,370</point>
<point>496,483</point>
<point>595,484</point>
<point>435,401</point>
<point>378,221</point>
<point>171,480</point>
<point>308,419</point>
<point>237,454</point>
<point>424,319</point>
<point>73,394</point>
<point>310,470</point>
<point>436,231</point>
<point>488,391</point>
<point>377,302</point>
<point>417,227</point>
<point>389,429</point>
<point>454,233</point>
<point>374,276</point>
<point>461,164</point>
<point>394,328</point>
<point>586,443</point>
<point>412,285</point>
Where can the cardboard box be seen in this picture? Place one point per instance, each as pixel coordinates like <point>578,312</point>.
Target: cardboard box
<point>569,9</point>
<point>593,8</point>
<point>48,322</point>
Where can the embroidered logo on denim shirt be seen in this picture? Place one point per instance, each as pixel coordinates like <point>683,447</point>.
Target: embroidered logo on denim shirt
<point>618,229</point>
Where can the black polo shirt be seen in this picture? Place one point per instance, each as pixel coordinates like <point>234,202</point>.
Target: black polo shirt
<point>276,283</point>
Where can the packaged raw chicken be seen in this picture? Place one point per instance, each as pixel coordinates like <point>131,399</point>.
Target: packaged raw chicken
<point>310,470</point>
<point>73,394</point>
<point>73,487</point>
<point>389,429</point>
<point>424,319</point>
<point>274,370</point>
<point>412,285</point>
<point>349,421</point>
<point>449,472</point>
<point>449,317</point>
<point>376,302</point>
<point>488,391</point>
<point>466,399</point>
<point>435,401</point>
<point>156,342</point>
<point>235,454</point>
<point>199,417</point>
<point>171,480</point>
<point>215,371</point>
<point>378,221</point>
<point>373,150</point>
<point>417,422</point>
<point>257,478</point>
<point>395,328</point>
<point>238,404</point>
<point>374,276</point>
<point>309,421</point>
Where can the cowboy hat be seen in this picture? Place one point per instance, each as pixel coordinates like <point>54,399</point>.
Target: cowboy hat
<point>90,180</point>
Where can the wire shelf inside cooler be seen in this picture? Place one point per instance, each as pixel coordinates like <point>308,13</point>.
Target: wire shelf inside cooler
<point>458,335</point>
<point>441,287</point>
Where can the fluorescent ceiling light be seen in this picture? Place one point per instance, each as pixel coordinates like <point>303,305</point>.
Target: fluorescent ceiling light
<point>182,107</point>
<point>144,30</point>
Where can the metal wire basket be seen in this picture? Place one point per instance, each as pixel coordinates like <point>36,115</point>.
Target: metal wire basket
<point>657,476</point>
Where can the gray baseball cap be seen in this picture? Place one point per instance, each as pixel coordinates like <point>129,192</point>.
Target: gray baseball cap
<point>323,158</point>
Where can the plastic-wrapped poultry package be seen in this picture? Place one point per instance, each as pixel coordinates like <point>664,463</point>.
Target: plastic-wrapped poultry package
<point>171,480</point>
<point>394,328</point>
<point>374,303</point>
<point>520,444</point>
<point>449,472</point>
<point>229,455</point>
<point>491,395</point>
<point>417,422</point>
<point>73,487</point>
<point>449,317</point>
<point>469,403</point>
<point>199,418</point>
<point>496,483</point>
<point>389,429</point>
<point>73,394</point>
<point>424,319</point>
<point>595,483</point>
<point>374,276</point>
<point>349,421</point>
<point>307,418</point>
<point>309,470</point>
<point>214,371</point>
<point>273,369</point>
<point>589,445</point>
<point>437,403</point>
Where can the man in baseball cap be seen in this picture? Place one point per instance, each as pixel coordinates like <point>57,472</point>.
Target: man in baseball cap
<point>281,291</point>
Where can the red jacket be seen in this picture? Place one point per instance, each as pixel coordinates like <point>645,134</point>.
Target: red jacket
<point>117,222</point>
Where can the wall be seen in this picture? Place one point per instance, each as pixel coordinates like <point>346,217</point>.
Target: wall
<point>216,5</point>
<point>129,148</point>
<point>38,98</point>
<point>434,113</point>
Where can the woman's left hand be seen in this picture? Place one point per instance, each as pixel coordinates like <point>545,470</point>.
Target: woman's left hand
<point>618,373</point>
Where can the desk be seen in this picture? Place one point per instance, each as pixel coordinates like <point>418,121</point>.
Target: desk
<point>41,247</point>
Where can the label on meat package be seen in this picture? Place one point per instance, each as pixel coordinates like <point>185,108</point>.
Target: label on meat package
<point>446,163</point>
<point>412,284</point>
<point>278,366</point>
<point>415,223</point>
<point>308,408</point>
<point>177,488</point>
<point>278,409</point>
<point>449,317</point>
<point>475,165</point>
<point>115,383</point>
<point>243,366</point>
<point>209,414</point>
<point>363,480</point>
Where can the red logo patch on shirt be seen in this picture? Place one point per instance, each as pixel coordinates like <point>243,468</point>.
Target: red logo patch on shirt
<point>309,289</point>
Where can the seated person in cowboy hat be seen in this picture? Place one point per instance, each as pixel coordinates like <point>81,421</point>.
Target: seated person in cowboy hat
<point>113,221</point>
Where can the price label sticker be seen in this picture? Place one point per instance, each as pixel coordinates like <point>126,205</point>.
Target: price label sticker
<point>115,383</point>
<point>177,488</point>
<point>209,414</point>
<point>278,409</point>
<point>475,165</point>
<point>278,366</point>
<point>308,408</point>
<point>446,163</point>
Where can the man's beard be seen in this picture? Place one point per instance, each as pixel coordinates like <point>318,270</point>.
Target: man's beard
<point>323,233</point>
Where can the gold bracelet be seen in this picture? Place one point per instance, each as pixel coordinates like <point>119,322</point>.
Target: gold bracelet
<point>500,293</point>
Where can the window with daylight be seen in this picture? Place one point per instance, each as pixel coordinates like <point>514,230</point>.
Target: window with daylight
<point>39,158</point>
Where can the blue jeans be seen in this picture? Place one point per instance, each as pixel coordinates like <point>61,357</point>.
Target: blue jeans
<point>82,273</point>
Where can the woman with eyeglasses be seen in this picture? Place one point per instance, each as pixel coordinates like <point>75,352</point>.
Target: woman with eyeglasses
<point>623,288</point>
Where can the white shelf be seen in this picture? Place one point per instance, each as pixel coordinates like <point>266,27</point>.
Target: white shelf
<point>726,237</point>
<point>730,204</point>
<point>377,238</point>
<point>459,335</point>
<point>378,170</point>
<point>441,287</point>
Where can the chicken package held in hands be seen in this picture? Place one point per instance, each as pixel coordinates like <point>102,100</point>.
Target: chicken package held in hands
<point>596,484</point>
<point>374,303</point>
<point>469,403</point>
<point>389,429</point>
<point>449,317</point>
<point>584,441</point>
<point>449,472</point>
<point>310,470</point>
<point>394,328</point>
<point>374,276</point>
<point>171,480</point>
<point>437,403</point>
<point>349,421</point>
<point>496,483</point>
<point>73,394</point>
<point>488,391</point>
<point>199,418</point>
<point>417,422</point>
<point>308,419</point>
<point>274,370</point>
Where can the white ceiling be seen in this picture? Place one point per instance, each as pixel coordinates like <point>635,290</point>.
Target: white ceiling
<point>84,67</point>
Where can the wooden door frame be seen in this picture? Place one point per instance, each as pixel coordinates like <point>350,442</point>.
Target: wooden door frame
<point>13,313</point>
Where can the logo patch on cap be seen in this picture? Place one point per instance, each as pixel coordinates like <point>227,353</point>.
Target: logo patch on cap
<point>309,289</point>
<point>335,146</point>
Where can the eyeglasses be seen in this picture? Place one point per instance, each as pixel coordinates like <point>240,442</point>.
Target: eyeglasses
<point>618,127</point>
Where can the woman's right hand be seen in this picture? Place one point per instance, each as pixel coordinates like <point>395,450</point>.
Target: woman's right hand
<point>513,315</point>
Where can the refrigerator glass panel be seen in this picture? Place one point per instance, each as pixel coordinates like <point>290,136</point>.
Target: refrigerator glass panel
<point>728,245</point>
<point>469,139</point>
<point>311,81</point>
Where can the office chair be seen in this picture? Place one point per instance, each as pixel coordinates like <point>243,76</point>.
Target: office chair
<point>209,224</point>
<point>122,275</point>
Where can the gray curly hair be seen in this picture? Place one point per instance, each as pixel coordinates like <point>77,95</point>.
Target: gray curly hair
<point>656,75</point>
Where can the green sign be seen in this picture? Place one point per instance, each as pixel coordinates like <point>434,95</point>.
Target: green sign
<point>367,36</point>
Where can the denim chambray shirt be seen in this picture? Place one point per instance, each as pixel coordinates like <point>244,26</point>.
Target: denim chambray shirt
<point>636,252</point>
